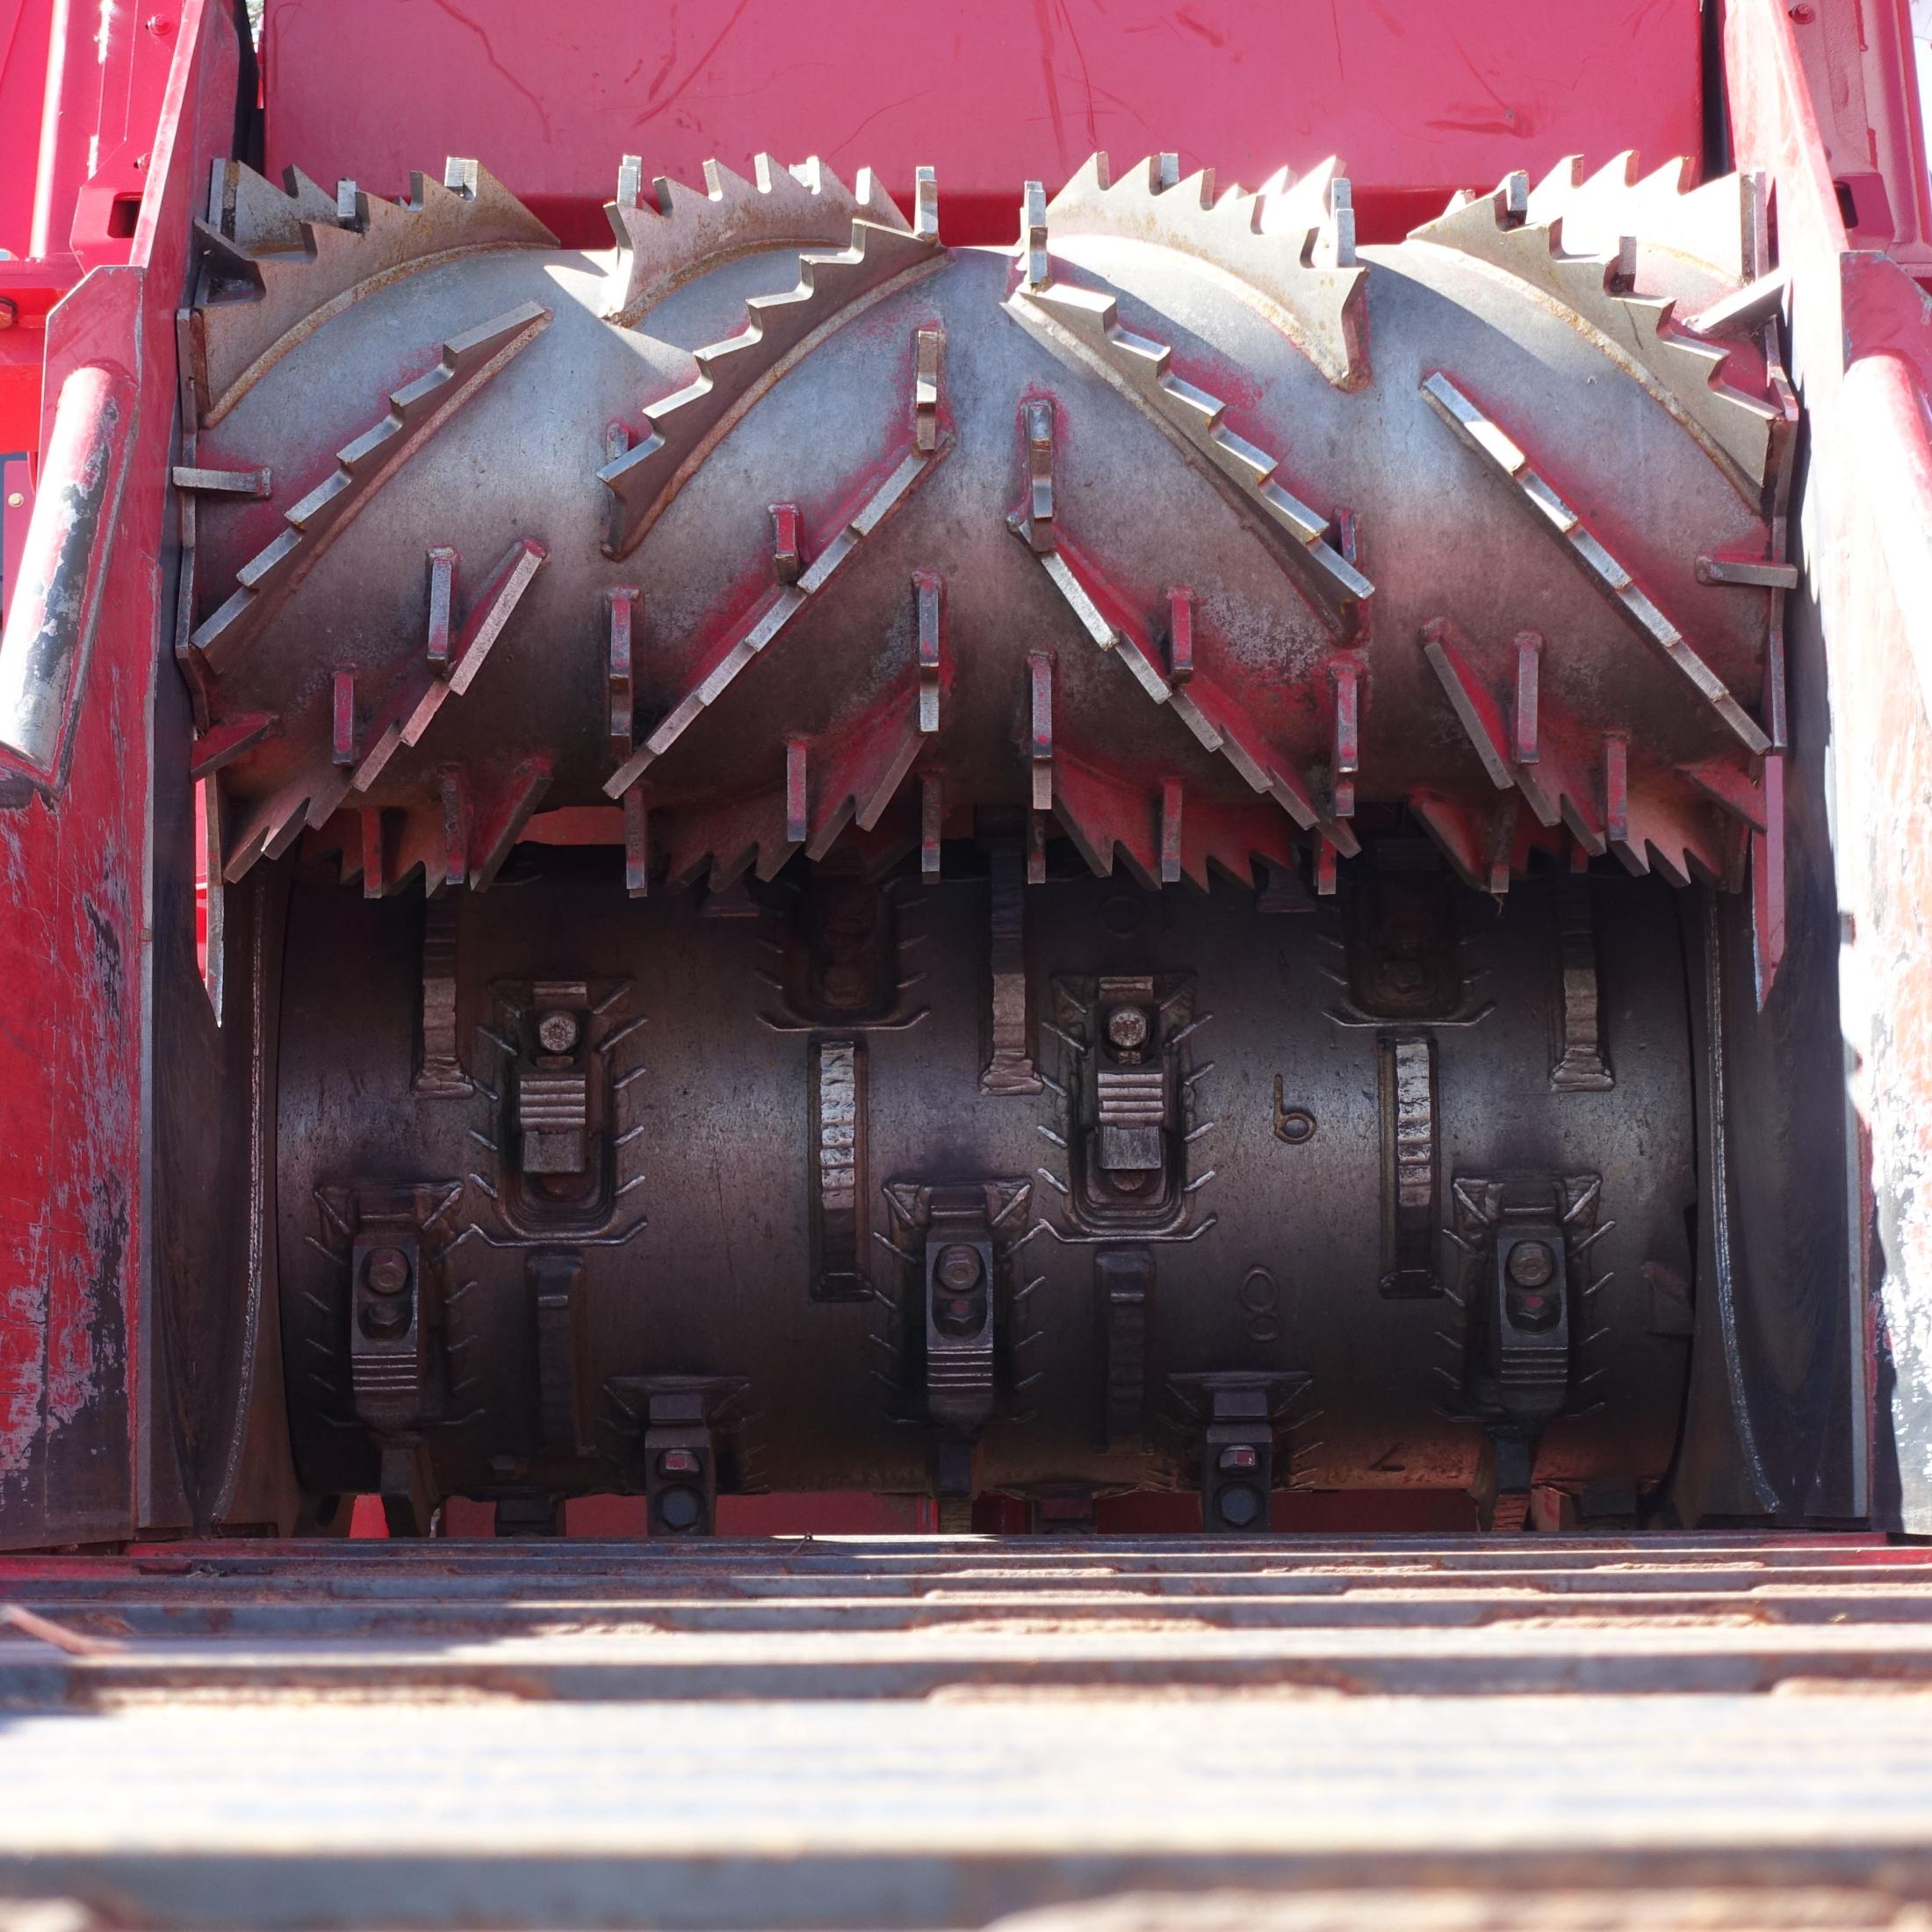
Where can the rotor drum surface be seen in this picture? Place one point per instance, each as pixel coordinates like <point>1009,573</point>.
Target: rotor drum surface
<point>935,610</point>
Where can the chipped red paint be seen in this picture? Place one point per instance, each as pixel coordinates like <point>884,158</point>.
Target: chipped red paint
<point>74,885</point>
<point>1458,98</point>
<point>1861,335</point>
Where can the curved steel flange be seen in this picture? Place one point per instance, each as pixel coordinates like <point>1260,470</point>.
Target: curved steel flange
<point>1681,370</point>
<point>416,411</point>
<point>733,373</point>
<point>333,261</point>
<point>1140,368</point>
<point>1602,570</point>
<point>773,616</point>
<point>1214,718</point>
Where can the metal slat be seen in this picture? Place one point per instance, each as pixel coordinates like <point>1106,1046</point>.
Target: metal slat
<point>926,1732</point>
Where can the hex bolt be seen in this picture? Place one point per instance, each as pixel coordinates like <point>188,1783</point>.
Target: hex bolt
<point>1127,1027</point>
<point>957,1270</point>
<point>384,1321</point>
<point>387,1271</point>
<point>1532,1264</point>
<point>557,1032</point>
<point>10,313</point>
<point>678,1509</point>
<point>1239,1506</point>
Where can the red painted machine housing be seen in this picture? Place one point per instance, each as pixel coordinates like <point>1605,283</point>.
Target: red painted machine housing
<point>108,123</point>
<point>1418,101</point>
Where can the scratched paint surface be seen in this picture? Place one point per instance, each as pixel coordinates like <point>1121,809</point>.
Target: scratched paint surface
<point>74,947</point>
<point>1419,98</point>
<point>1862,340</point>
<point>69,1084</point>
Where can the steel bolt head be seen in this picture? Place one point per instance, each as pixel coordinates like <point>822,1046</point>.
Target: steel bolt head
<point>680,1508</point>
<point>1532,1264</point>
<point>382,1320</point>
<point>1127,1026</point>
<point>958,1268</point>
<point>10,313</point>
<point>387,1271</point>
<point>557,1032</point>
<point>1239,1506</point>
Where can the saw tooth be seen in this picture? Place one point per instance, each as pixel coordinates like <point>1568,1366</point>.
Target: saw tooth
<point>262,217</point>
<point>1296,205</point>
<point>1550,197</point>
<point>803,207</point>
<point>1195,191</point>
<point>874,203</point>
<point>1704,223</point>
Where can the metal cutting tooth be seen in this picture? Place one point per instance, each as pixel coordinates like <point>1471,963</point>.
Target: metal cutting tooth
<point>1290,245</point>
<point>1639,333</point>
<point>1705,223</point>
<point>259,216</point>
<point>330,264</point>
<point>1280,776</point>
<point>679,233</point>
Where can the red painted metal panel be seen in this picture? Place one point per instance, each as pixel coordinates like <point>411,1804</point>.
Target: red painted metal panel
<point>1416,98</point>
<point>1862,340</point>
<point>1858,62</point>
<point>16,507</point>
<point>23,79</point>
<point>76,921</point>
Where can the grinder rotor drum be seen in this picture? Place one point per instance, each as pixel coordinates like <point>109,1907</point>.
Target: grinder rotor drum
<point>1054,870</point>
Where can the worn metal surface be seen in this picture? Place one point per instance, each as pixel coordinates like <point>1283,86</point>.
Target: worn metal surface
<point>82,942</point>
<point>702,1251</point>
<point>131,1113</point>
<point>1861,352</point>
<point>935,1733</point>
<point>1313,547</point>
<point>54,605</point>
<point>1304,502</point>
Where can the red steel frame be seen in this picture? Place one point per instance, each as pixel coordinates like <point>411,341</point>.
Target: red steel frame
<point>108,121</point>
